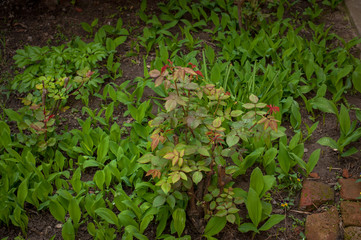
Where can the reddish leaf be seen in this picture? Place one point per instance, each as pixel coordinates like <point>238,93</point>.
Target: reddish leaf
<point>199,73</point>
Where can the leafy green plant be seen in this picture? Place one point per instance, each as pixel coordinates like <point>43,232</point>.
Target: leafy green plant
<point>349,134</point>
<point>332,3</point>
<point>188,140</point>
<point>89,27</point>
<point>259,210</point>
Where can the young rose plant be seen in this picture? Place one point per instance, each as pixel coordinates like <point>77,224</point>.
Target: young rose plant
<point>194,134</point>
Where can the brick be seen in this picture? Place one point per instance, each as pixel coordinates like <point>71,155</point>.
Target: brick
<point>314,194</point>
<point>351,213</point>
<point>352,233</point>
<point>350,189</point>
<point>323,226</point>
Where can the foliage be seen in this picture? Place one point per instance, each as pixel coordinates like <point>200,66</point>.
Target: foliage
<point>213,124</point>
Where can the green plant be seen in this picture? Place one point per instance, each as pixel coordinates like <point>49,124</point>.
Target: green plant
<point>349,134</point>
<point>313,11</point>
<point>90,27</point>
<point>259,210</point>
<point>332,3</point>
<point>189,137</point>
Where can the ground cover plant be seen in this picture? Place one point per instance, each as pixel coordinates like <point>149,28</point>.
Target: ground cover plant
<point>221,136</point>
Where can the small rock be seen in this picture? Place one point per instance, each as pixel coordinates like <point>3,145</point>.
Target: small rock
<point>323,225</point>
<point>350,189</point>
<point>351,213</point>
<point>345,173</point>
<point>314,175</point>
<point>352,233</point>
<point>59,225</point>
<point>314,194</point>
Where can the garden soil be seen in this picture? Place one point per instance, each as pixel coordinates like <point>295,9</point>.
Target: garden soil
<point>41,23</point>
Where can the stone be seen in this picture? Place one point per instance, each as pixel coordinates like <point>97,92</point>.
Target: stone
<point>351,213</point>
<point>314,194</point>
<point>352,233</point>
<point>354,8</point>
<point>314,175</point>
<point>323,226</point>
<point>350,189</point>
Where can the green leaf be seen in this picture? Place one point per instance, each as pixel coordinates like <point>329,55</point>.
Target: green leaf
<point>323,105</point>
<point>329,142</point>
<point>273,220</point>
<point>159,201</point>
<point>254,206</point>
<point>231,218</point>
<point>214,226</point>
<point>203,151</point>
<point>22,192</point>
<point>179,218</point>
<point>349,152</point>
<point>74,210</point>
<point>197,177</point>
<point>246,227</point>
<point>68,232</point>
<point>102,150</point>
<point>99,179</point>
<point>232,140</point>
<point>57,210</point>
<point>257,180</point>
<point>356,78</point>
<point>284,159</point>
<point>344,119</point>
<point>108,215</point>
<point>312,161</point>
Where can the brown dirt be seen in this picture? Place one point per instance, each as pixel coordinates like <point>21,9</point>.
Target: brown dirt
<point>35,23</point>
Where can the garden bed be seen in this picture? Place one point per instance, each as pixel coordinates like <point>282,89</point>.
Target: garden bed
<point>138,51</point>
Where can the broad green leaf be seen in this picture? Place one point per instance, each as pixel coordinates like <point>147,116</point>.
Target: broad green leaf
<point>108,215</point>
<point>103,149</point>
<point>74,210</point>
<point>179,218</point>
<point>246,227</point>
<point>329,142</point>
<point>197,177</point>
<point>22,192</point>
<point>273,220</point>
<point>284,159</point>
<point>57,210</point>
<point>145,222</point>
<point>214,226</point>
<point>349,152</point>
<point>257,180</point>
<point>99,179</point>
<point>231,218</point>
<point>232,140</point>
<point>159,201</point>
<point>324,105</point>
<point>344,119</point>
<point>68,232</point>
<point>254,206</point>
<point>312,161</point>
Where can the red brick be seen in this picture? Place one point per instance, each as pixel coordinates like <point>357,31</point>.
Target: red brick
<point>350,189</point>
<point>351,213</point>
<point>352,233</point>
<point>323,226</point>
<point>314,194</point>
<point>345,173</point>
